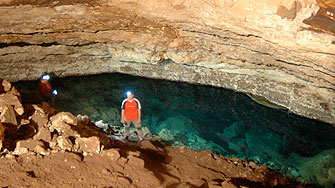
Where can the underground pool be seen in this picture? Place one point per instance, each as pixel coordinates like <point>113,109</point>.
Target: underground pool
<point>206,118</point>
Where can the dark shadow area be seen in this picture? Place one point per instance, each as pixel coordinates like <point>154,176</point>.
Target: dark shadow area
<point>245,182</point>
<point>154,161</point>
<point>31,174</point>
<point>155,158</point>
<point>12,134</point>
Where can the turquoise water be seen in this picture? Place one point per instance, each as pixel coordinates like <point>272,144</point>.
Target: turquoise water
<point>207,118</point>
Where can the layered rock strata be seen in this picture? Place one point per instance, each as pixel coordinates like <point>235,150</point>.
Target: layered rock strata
<point>46,148</point>
<point>262,48</point>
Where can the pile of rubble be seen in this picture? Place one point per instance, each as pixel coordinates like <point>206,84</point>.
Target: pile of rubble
<point>42,130</point>
<point>117,132</point>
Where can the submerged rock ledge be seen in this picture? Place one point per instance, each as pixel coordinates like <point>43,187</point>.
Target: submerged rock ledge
<point>42,147</point>
<point>263,48</point>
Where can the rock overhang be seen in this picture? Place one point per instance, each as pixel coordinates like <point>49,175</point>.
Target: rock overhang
<point>263,48</point>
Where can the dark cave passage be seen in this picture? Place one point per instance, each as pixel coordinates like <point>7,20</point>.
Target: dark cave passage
<point>200,118</point>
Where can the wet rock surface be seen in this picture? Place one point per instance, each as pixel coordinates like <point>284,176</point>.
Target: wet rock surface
<point>63,150</point>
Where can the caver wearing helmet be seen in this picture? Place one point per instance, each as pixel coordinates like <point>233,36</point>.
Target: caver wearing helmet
<point>131,113</point>
<point>45,87</point>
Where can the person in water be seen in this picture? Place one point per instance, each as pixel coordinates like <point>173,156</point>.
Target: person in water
<point>131,113</point>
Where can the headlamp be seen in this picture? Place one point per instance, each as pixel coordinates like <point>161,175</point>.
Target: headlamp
<point>129,93</point>
<point>54,92</point>
<point>45,77</point>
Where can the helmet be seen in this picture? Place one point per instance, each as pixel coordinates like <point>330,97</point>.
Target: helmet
<point>130,93</point>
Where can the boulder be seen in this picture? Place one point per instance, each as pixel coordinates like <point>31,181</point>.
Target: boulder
<point>41,119</point>
<point>7,114</point>
<point>115,130</point>
<point>53,144</point>
<point>43,134</point>
<point>264,143</point>
<point>146,133</point>
<point>40,150</point>
<point>20,151</point>
<point>226,184</point>
<point>25,146</point>
<point>83,120</point>
<point>195,142</point>
<point>89,145</point>
<point>15,92</point>
<point>38,108</point>
<point>133,135</point>
<point>177,124</point>
<point>135,162</point>
<point>166,135</point>
<point>112,153</point>
<point>64,144</point>
<point>6,85</point>
<point>233,130</point>
<point>62,123</point>
<point>29,144</point>
<point>191,138</point>
<point>11,100</point>
<point>102,125</point>
<point>320,168</point>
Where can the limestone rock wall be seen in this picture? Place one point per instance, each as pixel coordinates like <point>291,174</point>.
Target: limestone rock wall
<point>264,48</point>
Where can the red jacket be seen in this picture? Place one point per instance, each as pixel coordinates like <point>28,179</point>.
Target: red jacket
<point>131,109</point>
<point>45,89</point>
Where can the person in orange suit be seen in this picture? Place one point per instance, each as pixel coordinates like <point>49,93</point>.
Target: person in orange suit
<point>131,113</point>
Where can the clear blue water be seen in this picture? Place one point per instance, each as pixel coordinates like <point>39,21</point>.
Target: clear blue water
<point>200,117</point>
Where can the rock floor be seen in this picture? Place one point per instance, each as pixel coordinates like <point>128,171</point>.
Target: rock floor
<point>153,165</point>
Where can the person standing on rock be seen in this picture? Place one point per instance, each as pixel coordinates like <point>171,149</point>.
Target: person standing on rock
<point>131,113</point>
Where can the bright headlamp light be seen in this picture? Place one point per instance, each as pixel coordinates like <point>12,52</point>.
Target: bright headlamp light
<point>45,77</point>
<point>54,92</point>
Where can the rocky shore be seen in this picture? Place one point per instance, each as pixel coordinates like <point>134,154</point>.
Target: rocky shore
<point>41,147</point>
